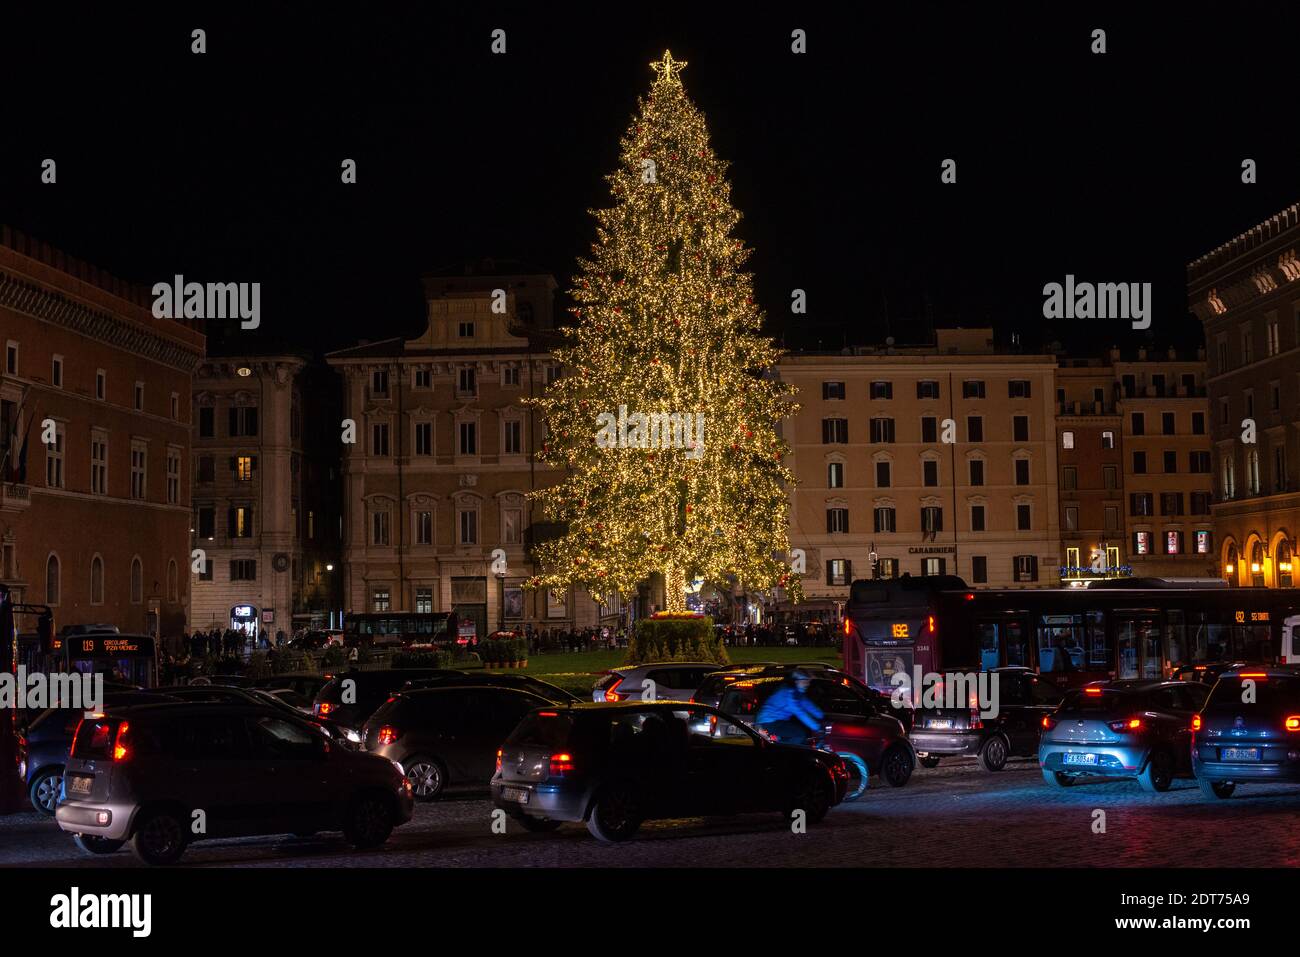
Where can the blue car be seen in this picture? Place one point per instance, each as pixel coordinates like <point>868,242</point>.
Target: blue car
<point>1249,730</point>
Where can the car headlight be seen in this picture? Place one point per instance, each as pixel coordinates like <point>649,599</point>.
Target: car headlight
<point>352,736</point>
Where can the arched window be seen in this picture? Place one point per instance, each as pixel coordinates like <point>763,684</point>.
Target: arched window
<point>137,581</point>
<point>97,581</point>
<point>1257,565</point>
<point>52,580</point>
<point>1283,566</point>
<point>173,582</point>
<point>1231,571</point>
<point>1252,472</point>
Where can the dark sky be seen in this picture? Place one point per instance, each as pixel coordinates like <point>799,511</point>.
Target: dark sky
<point>225,167</point>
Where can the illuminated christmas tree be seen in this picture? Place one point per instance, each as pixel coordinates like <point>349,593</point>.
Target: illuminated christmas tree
<point>665,415</point>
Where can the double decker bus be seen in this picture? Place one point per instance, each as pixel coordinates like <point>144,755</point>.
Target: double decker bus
<point>1122,628</point>
<point>398,629</point>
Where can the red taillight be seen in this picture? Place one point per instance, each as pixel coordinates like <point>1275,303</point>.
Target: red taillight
<point>975,720</point>
<point>498,759</point>
<point>970,596</point>
<point>848,627</point>
<point>1128,724</point>
<point>930,626</point>
<point>548,714</point>
<point>1196,722</point>
<point>120,751</point>
<point>323,708</point>
<point>1293,722</point>
<point>1252,674</point>
<point>561,764</point>
<point>1091,690</point>
<point>611,693</point>
<point>1049,722</point>
<point>387,734</point>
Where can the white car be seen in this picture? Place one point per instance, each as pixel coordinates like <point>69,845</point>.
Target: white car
<point>670,681</point>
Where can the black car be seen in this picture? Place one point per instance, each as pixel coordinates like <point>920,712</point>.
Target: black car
<point>617,765</point>
<point>1024,699</point>
<point>1249,730</point>
<point>714,684</point>
<point>543,689</point>
<point>351,697</point>
<point>345,736</point>
<point>447,735</point>
<point>305,683</point>
<point>711,691</point>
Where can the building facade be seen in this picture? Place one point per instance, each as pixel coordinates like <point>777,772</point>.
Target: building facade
<point>94,444</point>
<point>925,460</point>
<point>1247,295</point>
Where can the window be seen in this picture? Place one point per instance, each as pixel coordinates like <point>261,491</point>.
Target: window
<point>1247,347</point>
<point>1198,423</point>
<point>423,378</point>
<point>972,389</point>
<point>379,527</point>
<point>1023,518</point>
<point>888,567</point>
<point>1167,423</point>
<point>1137,423</point>
<point>927,389</point>
<point>101,385</point>
<point>424,527</point>
<point>882,430</point>
<point>242,420</point>
<point>882,475</point>
<point>52,580</point>
<point>835,431</point>
<point>1072,519</point>
<point>974,428</point>
<point>834,474</point>
<point>1252,471</point>
<point>1198,462</point>
<point>1170,462</point>
<point>379,600</point>
<point>1229,477</point>
<point>1173,542</point>
<point>468,438</point>
<point>833,390</point>
<point>466,381</point>
<point>239,521</point>
<point>1204,542</point>
<point>139,457</point>
<point>1274,337</point>
<point>175,406</point>
<point>1140,503</point>
<point>1139,463</point>
<point>932,566</point>
<point>1112,519</point>
<point>379,383</point>
<point>424,438</point>
<point>54,459</point>
<point>311,525</point>
<point>510,377</point>
<point>1069,478</point>
<point>1026,568</point>
<point>11,357</point>
<point>1249,398</point>
<point>465,330</point>
<point>883,519</point>
<point>1109,477</point>
<point>56,372</point>
<point>1018,389</point>
<point>930,472</point>
<point>837,520</point>
<point>976,471</point>
<point>929,429</point>
<point>512,523</point>
<point>207,522</point>
<point>977,518</point>
<point>837,572</point>
<point>139,396</point>
<point>1067,440</point>
<point>1223,412</point>
<point>1108,440</point>
<point>1200,504</point>
<point>173,476</point>
<point>97,581</point>
<point>979,569</point>
<point>423,601</point>
<point>1020,428</point>
<point>468,526</point>
<point>1279,468</point>
<point>1223,355</point>
<point>931,518</point>
<point>882,390</point>
<point>513,438</point>
<point>173,583</point>
<point>98,463</point>
<point>379,439</point>
<point>1158,384</point>
<point>243,468</point>
<point>207,422</point>
<point>1141,543</point>
<point>1022,471</point>
<point>1171,503</point>
<point>137,581</point>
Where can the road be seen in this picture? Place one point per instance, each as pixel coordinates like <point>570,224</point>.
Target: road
<point>951,816</point>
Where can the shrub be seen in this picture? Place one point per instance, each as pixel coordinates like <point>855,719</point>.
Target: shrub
<point>419,659</point>
<point>675,639</point>
<point>335,656</point>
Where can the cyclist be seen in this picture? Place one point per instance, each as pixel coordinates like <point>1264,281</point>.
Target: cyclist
<point>789,714</point>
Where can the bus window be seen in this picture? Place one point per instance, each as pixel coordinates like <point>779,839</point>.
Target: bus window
<point>1016,645</point>
<point>1060,645</point>
<point>1002,638</point>
<point>1253,643</point>
<point>1100,655</point>
<point>1175,641</point>
<point>1139,644</point>
<point>989,654</point>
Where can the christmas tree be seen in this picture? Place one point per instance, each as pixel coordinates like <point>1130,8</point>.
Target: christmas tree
<point>665,415</point>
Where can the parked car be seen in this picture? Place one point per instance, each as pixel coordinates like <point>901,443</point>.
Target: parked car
<point>713,684</point>
<point>1131,728</point>
<point>43,747</point>
<point>1207,673</point>
<point>855,721</point>
<point>543,689</point>
<point>615,766</point>
<point>1024,699</point>
<point>139,774</point>
<point>222,694</point>
<point>1239,742</point>
<point>367,691</point>
<point>289,697</point>
<point>443,736</point>
<point>673,681</point>
<point>307,684</point>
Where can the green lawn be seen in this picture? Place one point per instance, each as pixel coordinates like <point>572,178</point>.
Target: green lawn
<point>577,671</point>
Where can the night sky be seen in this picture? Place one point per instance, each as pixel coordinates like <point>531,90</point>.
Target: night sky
<point>225,166</point>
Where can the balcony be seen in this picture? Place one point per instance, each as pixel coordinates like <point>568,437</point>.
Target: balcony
<point>14,497</point>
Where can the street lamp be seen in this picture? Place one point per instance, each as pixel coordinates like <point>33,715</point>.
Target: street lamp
<point>501,592</point>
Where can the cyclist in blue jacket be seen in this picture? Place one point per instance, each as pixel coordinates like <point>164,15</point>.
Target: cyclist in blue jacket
<point>789,714</point>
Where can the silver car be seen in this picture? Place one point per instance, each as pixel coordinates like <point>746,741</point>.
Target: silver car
<point>669,681</point>
<point>162,776</point>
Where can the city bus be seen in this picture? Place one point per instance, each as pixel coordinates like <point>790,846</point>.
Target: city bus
<point>399,629</point>
<point>1121,628</point>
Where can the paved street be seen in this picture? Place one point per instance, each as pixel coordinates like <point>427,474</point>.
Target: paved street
<point>953,816</point>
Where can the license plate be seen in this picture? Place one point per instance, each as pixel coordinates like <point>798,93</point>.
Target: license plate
<point>1080,759</point>
<point>515,794</point>
<point>1240,754</point>
<point>79,783</point>
<point>937,723</point>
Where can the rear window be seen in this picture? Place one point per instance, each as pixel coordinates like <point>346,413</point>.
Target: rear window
<point>1272,695</point>
<point>546,729</point>
<point>94,740</point>
<point>1080,702</point>
<point>607,681</point>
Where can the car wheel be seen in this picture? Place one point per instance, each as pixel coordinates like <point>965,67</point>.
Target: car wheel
<point>428,778</point>
<point>91,844</point>
<point>993,755</point>
<point>1159,772</point>
<point>929,761</point>
<point>1216,789</point>
<point>159,838</point>
<point>45,788</point>
<point>537,825</point>
<point>1057,779</point>
<point>813,798</point>
<point>896,766</point>
<point>614,815</point>
<point>369,822</point>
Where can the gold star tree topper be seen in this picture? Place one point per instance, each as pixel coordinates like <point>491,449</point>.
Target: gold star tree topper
<point>667,69</point>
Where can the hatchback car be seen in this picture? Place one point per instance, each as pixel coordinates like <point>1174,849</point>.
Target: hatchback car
<point>1024,699</point>
<point>1249,730</point>
<point>1122,729</point>
<point>444,736</point>
<point>222,694</point>
<point>670,681</point>
<point>544,689</point>
<point>855,721</point>
<point>616,766</point>
<point>352,697</point>
<point>162,776</point>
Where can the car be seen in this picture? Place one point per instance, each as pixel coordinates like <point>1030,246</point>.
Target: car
<point>150,774</point>
<point>856,723</point>
<point>315,641</point>
<point>1024,699</point>
<point>305,683</point>
<point>1207,673</point>
<point>1248,731</point>
<point>289,697</point>
<point>715,683</point>
<point>350,697</point>
<point>43,747</point>
<point>346,737</point>
<point>544,689</point>
<point>819,669</point>
<point>1131,728</point>
<point>447,735</point>
<point>614,766</point>
<point>671,681</point>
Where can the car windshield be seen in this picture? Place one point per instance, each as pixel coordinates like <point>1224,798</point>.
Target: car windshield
<point>1269,695</point>
<point>547,729</point>
<point>1093,702</point>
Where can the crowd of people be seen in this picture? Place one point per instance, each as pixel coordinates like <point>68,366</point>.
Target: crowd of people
<point>229,643</point>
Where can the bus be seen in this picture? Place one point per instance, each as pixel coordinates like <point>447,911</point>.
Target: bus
<point>393,629</point>
<point>1120,628</point>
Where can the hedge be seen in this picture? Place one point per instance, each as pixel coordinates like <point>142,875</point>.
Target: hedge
<point>675,639</point>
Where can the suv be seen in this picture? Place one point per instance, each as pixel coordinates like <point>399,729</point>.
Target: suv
<point>1133,728</point>
<point>1024,699</point>
<point>369,690</point>
<point>673,681</point>
<point>151,774</point>
<point>616,765</point>
<point>1234,742</point>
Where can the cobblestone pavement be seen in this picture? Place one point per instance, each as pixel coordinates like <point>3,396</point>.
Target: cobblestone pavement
<point>951,816</point>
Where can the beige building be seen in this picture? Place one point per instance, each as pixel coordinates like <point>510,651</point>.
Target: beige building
<point>1247,295</point>
<point>934,460</point>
